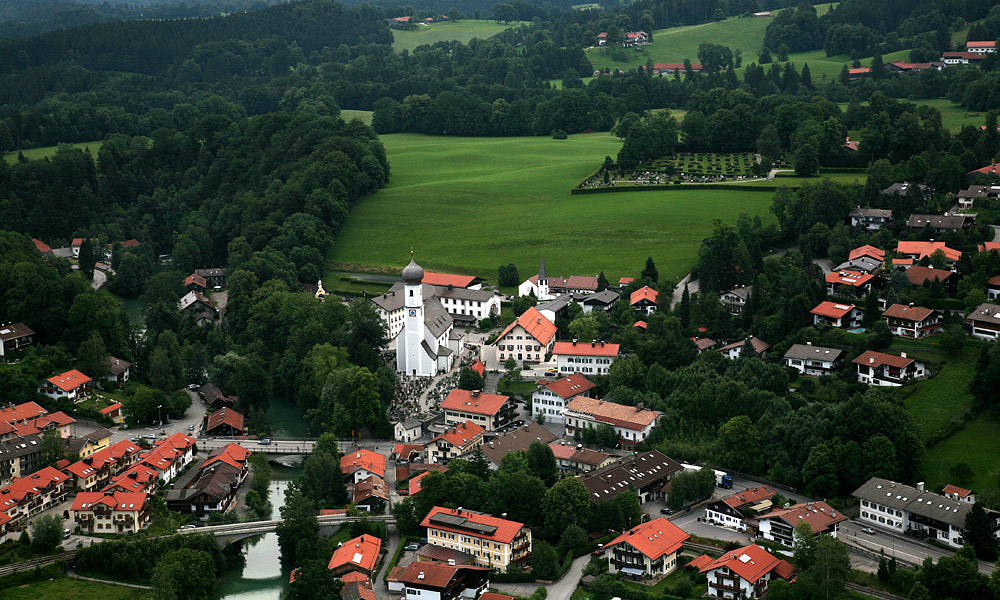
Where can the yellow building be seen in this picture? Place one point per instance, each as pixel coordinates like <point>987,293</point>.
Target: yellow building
<point>492,542</point>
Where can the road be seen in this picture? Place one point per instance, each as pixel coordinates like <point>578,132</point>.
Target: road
<point>679,289</point>
<point>903,548</point>
<point>194,417</point>
<point>560,590</point>
<point>99,279</point>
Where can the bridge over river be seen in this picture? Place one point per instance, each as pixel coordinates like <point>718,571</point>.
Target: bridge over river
<point>233,532</point>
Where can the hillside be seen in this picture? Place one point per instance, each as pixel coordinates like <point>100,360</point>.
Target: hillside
<point>459,31</point>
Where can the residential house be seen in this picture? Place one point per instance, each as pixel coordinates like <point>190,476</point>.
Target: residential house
<point>26,497</point>
<point>224,422</point>
<point>734,300</point>
<point>216,485</point>
<point>591,358</point>
<point>703,344</point>
<point>649,551</point>
<point>213,397</point>
<point>867,251</point>
<point>138,478</point>
<point>214,278</point>
<point>912,321</point>
<point>359,554</point>
<point>814,361</point>
<point>981,47</point>
<point>42,246</point>
<point>96,470</point>
<point>903,508</point>
<point>918,276</point>
<point>14,337</point>
<point>992,169</point>
<point>577,459</point>
<point>71,385</point>
<point>89,443</point>
<point>906,188</point>
<point>199,306</point>
<point>863,264</point>
<point>118,373</point>
<point>117,512</point>
<point>940,223</point>
<point>632,424</point>
<point>170,456</point>
<point>732,511</point>
<point>517,440</point>
<point>604,300</point>
<point>779,524</point>
<point>742,573</point>
<point>371,495</point>
<point>528,339</point>
<point>362,464</point>
<point>624,282</point>
<point>195,283</point>
<point>835,314</point>
<point>870,219</point>
<point>878,368</point>
<point>495,543</point>
<point>454,442</point>
<point>984,322</point>
<point>443,581</point>
<point>544,287</point>
<point>967,197</point>
<point>646,473</point>
<point>558,307</point>
<point>490,411</point>
<point>643,300</point>
<point>957,493</point>
<point>77,243</point>
<point>551,396</point>
<point>849,283</point>
<point>918,250</point>
<point>993,288</point>
<point>988,247</point>
<point>734,350</point>
<point>21,413</point>
<point>407,429</point>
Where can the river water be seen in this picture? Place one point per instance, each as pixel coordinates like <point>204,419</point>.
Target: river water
<point>263,577</point>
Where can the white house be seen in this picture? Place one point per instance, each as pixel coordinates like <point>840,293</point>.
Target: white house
<point>870,218</point>
<point>528,339</point>
<point>643,300</point>
<point>835,314</point>
<point>551,397</point>
<point>14,336</point>
<point>592,358</point>
<point>632,423</point>
<point>887,370</point>
<point>981,47</point>
<point>904,508</point>
<point>742,573</point>
<point>993,288</point>
<point>779,525</point>
<point>912,321</point>
<point>648,550</point>
<point>425,345</point>
<point>406,430</point>
<point>734,300</point>
<point>71,385</point>
<point>984,322</point>
<point>734,350</point>
<point>730,511</point>
<point>544,287</point>
<point>813,360</point>
<point>493,542</point>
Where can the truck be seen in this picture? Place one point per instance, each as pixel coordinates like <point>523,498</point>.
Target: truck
<point>723,479</point>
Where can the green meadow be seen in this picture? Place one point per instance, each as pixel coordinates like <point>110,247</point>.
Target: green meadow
<point>461,31</point>
<point>40,153</point>
<point>365,116</point>
<point>976,446</point>
<point>467,205</point>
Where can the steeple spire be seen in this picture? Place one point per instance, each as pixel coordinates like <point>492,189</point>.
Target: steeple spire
<point>542,275</point>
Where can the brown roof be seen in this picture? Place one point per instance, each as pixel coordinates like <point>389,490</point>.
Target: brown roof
<point>918,275</point>
<point>820,515</point>
<point>12,331</point>
<point>479,403</point>
<point>571,386</point>
<point>877,359</point>
<point>225,416</point>
<point>118,365</point>
<point>909,313</point>
<point>535,324</point>
<point>986,313</point>
<point>516,440</point>
<point>629,417</point>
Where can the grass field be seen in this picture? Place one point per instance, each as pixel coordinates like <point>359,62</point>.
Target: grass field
<point>467,205</point>
<point>40,153</point>
<point>64,587</point>
<point>461,31</point>
<point>798,181</point>
<point>364,115</point>
<point>976,446</point>
<point>953,116</point>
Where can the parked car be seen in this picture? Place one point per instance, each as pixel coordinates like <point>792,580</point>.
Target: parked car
<point>66,533</point>
<point>264,442</point>
<point>868,530</point>
<point>667,511</point>
<point>412,547</point>
<point>190,427</point>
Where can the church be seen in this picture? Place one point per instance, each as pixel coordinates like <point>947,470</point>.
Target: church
<point>426,341</point>
<point>545,288</point>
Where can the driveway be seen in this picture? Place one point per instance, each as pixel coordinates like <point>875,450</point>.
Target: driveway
<point>560,590</point>
<point>825,264</point>
<point>99,279</point>
<point>679,289</point>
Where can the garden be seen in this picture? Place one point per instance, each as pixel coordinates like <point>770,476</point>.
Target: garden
<point>687,168</point>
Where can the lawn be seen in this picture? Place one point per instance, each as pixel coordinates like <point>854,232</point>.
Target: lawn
<point>799,181</point>
<point>461,31</point>
<point>61,588</point>
<point>976,446</point>
<point>467,205</point>
<point>945,396</point>
<point>364,115</point>
<point>40,153</point>
<point>953,116</point>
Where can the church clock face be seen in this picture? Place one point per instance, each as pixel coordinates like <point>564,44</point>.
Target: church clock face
<point>413,313</point>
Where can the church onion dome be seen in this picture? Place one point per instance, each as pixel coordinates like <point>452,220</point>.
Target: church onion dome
<point>413,273</point>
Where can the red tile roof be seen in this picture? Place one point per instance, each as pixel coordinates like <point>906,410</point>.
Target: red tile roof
<point>994,281</point>
<point>640,324</point>
<point>629,417</point>
<point>917,275</point>
<point>355,576</point>
<point>42,246</point>
<point>922,249</point>
<point>479,403</point>
<point>832,309</point>
<point>535,324</point>
<point>749,562</point>
<point>504,533</point>
<point>360,552</point>
<point>909,313</point>
<point>987,170</point>
<point>989,247</point>
<point>195,279</point>
<point>231,454</point>
<point>867,250</point>
<point>460,435</point>
<point>954,489</point>
<point>431,574</point>
<point>225,416</point>
<point>753,495</point>
<point>586,349</point>
<point>859,71</point>
<point>654,538</point>
<point>495,596</point>
<point>373,462</point>
<point>444,279</point>
<point>992,44</point>
<point>415,482</point>
<point>644,293</point>
<point>70,380</point>
<point>122,501</point>
<point>567,387</point>
<point>700,561</point>
<point>478,367</point>
<point>674,66</point>
<point>877,359</point>
<point>111,408</point>
<point>820,515</point>
<point>626,280</point>
<point>22,412</point>
<point>851,278</point>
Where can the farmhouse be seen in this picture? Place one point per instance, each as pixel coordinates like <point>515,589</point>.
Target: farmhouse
<point>984,322</point>
<point>878,368</point>
<point>551,396</point>
<point>813,360</point>
<point>14,337</point>
<point>604,300</point>
<point>904,508</point>
<point>493,542</point>
<point>742,573</point>
<point>489,411</point>
<point>912,321</point>
<point>646,474</point>
<point>214,278</point>
<point>734,350</point>
<point>647,551</point>
<point>870,219</point>
<point>982,47</point>
<point>834,314</point>
<point>516,441</point>
<point>592,358</point>
<point>670,68</point>
<point>454,442</point>
<point>528,339</point>
<point>779,525</point>
<point>734,300</point>
<point>631,423</point>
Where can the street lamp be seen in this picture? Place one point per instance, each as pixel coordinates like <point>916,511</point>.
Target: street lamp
<point>159,416</point>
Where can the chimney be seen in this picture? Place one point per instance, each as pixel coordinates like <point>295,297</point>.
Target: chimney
<point>902,354</point>
<point>871,360</point>
<point>451,562</point>
<point>920,486</point>
<point>474,393</point>
<point>809,343</point>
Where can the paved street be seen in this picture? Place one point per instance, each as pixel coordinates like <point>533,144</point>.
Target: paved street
<point>194,416</point>
<point>905,549</point>
<point>560,590</point>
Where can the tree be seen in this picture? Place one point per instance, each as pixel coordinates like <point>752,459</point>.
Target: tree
<point>507,275</point>
<point>602,281</point>
<point>543,560</point>
<point>738,445</point>
<point>298,532</point>
<point>880,337</point>
<point>542,462</point>
<point>322,482</point>
<point>51,449</point>
<point>184,573</point>
<point>93,357</point>
<point>46,533</point>
<point>87,258</point>
<point>978,533</point>
<point>564,504</point>
<point>878,67</point>
<point>806,161</point>
<point>825,578</point>
<point>684,309</point>
<point>585,327</point>
<point>649,270</point>
<point>573,537</point>
<point>470,380</point>
<point>314,581</point>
